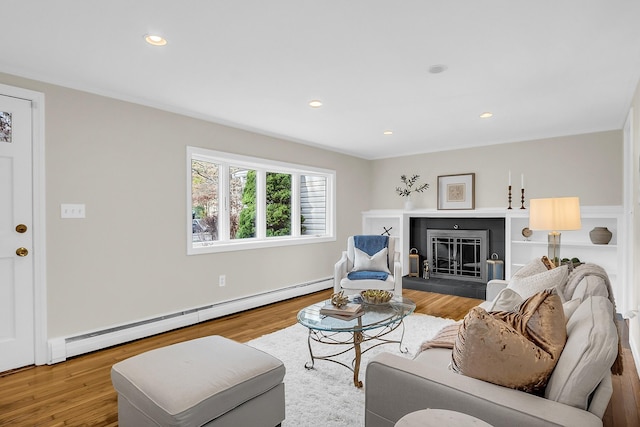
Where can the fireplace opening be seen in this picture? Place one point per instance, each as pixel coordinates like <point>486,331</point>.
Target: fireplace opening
<point>458,254</point>
<point>460,267</point>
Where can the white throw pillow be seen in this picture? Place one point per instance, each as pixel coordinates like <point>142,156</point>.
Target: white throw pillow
<point>531,285</point>
<point>506,300</point>
<point>375,262</point>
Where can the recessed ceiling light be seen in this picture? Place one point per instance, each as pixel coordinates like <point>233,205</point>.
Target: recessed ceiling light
<point>387,132</point>
<point>437,69</point>
<point>155,40</point>
<point>315,103</point>
<point>486,115</point>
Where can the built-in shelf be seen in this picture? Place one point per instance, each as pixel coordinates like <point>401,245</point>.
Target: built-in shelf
<point>565,244</point>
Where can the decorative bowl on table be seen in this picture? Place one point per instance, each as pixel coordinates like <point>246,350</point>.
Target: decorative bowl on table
<point>376,296</point>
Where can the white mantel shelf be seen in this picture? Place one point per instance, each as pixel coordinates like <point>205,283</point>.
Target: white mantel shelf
<point>499,212</point>
<point>484,212</point>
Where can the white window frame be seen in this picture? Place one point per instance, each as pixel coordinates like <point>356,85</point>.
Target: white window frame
<point>262,166</point>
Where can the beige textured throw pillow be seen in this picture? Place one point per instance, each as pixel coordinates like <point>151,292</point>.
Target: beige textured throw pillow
<point>535,266</point>
<point>375,262</point>
<point>513,349</point>
<point>530,285</point>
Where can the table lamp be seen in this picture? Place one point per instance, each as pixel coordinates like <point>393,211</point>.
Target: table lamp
<point>555,215</point>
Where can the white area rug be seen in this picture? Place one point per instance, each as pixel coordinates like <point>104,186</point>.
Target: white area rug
<point>325,396</point>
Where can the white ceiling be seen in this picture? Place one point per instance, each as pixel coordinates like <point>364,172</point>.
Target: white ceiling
<point>544,68</point>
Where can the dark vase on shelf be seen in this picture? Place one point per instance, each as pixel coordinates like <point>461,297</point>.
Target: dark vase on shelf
<point>600,235</point>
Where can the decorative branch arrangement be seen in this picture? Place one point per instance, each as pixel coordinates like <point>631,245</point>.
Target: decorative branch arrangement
<point>409,186</point>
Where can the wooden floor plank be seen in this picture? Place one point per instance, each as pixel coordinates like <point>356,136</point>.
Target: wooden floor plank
<point>79,391</point>
<point>630,391</point>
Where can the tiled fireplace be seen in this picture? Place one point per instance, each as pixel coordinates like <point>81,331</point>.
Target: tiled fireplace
<point>456,250</point>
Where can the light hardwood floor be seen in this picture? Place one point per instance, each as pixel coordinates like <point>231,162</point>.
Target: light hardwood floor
<point>78,392</point>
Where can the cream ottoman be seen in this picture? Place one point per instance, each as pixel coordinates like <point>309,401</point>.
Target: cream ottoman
<point>210,381</point>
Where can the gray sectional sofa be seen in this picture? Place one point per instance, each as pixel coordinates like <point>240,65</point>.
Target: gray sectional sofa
<point>578,390</point>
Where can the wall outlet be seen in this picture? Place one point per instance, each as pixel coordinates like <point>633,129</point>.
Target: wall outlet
<point>222,280</point>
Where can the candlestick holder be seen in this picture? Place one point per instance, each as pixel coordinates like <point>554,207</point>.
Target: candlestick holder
<point>509,198</point>
<point>522,199</point>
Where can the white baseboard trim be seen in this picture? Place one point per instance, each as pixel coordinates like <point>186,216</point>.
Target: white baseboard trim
<point>61,348</point>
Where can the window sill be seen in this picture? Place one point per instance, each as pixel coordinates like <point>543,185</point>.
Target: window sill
<point>246,244</point>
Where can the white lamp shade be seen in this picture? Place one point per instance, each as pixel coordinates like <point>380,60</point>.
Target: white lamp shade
<point>556,214</point>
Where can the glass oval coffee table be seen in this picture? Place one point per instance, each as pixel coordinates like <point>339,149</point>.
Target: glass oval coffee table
<point>375,324</point>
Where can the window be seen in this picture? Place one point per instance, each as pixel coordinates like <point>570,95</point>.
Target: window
<point>5,126</point>
<point>238,202</point>
<point>242,203</point>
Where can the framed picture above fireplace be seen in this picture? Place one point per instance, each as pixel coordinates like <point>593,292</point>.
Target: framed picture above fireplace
<point>457,191</point>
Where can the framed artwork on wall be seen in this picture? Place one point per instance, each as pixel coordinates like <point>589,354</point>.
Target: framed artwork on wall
<point>457,191</point>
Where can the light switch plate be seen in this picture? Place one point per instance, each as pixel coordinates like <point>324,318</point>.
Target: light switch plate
<point>72,210</point>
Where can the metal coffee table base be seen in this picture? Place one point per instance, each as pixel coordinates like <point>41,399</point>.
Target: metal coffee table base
<point>353,340</point>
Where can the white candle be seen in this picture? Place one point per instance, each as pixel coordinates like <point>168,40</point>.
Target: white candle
<point>509,178</point>
<point>522,181</point>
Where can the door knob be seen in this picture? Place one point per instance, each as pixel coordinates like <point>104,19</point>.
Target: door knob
<point>22,252</point>
<point>21,228</point>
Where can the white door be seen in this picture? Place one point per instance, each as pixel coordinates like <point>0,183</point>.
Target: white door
<point>17,334</point>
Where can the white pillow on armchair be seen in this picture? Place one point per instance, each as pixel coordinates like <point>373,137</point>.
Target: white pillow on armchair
<point>375,262</point>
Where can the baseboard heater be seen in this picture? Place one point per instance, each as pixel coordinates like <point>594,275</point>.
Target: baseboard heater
<point>62,348</point>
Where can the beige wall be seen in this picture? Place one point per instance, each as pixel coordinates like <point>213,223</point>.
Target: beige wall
<point>127,260</point>
<point>588,166</point>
